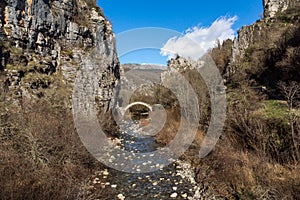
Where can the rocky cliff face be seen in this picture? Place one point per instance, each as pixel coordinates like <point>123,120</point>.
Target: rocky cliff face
<point>263,45</point>
<point>273,7</point>
<point>283,13</point>
<point>45,42</point>
<point>45,47</point>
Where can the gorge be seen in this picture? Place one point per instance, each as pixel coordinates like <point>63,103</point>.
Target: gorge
<point>46,44</point>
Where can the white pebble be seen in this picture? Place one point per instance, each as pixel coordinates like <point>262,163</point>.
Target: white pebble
<point>105,173</point>
<point>174,195</point>
<point>121,196</point>
<point>184,195</point>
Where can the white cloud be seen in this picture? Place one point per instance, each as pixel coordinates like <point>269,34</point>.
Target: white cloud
<point>196,41</point>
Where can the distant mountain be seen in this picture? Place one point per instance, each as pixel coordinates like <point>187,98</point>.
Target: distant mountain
<point>144,66</point>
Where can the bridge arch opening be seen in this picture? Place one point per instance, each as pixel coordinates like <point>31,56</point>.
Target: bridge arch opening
<point>137,103</point>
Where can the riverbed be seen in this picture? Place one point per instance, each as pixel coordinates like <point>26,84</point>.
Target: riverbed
<point>175,181</point>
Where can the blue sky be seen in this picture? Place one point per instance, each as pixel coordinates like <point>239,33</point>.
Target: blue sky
<point>196,15</point>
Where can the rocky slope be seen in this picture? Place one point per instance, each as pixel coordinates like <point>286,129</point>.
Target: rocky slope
<point>268,49</point>
<point>265,55</point>
<point>45,42</point>
<point>45,46</point>
<point>273,7</point>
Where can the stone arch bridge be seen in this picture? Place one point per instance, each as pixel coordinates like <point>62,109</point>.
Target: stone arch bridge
<point>123,110</point>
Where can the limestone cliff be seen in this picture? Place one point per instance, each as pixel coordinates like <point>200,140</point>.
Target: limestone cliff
<point>283,12</point>
<point>261,48</point>
<point>273,7</point>
<point>45,42</point>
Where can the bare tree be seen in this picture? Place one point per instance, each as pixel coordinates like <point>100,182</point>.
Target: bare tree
<point>291,93</point>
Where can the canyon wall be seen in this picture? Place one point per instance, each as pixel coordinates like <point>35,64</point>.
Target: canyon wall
<point>44,43</point>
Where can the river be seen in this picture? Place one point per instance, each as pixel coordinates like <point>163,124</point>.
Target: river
<point>175,181</point>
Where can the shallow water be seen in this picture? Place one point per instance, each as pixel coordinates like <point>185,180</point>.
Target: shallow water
<point>175,181</point>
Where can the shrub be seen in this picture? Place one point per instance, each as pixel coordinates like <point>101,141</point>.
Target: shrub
<point>41,155</point>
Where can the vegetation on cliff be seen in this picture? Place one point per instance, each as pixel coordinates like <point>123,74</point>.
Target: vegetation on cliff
<point>43,45</point>
<point>258,154</point>
<point>41,155</point>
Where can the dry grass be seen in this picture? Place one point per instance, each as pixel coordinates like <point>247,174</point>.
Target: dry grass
<point>242,175</point>
<point>41,154</point>
<point>170,129</point>
<point>253,158</point>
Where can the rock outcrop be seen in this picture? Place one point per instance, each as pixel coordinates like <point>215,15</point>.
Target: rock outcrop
<point>273,7</point>
<point>264,29</point>
<point>44,43</point>
<point>263,45</point>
